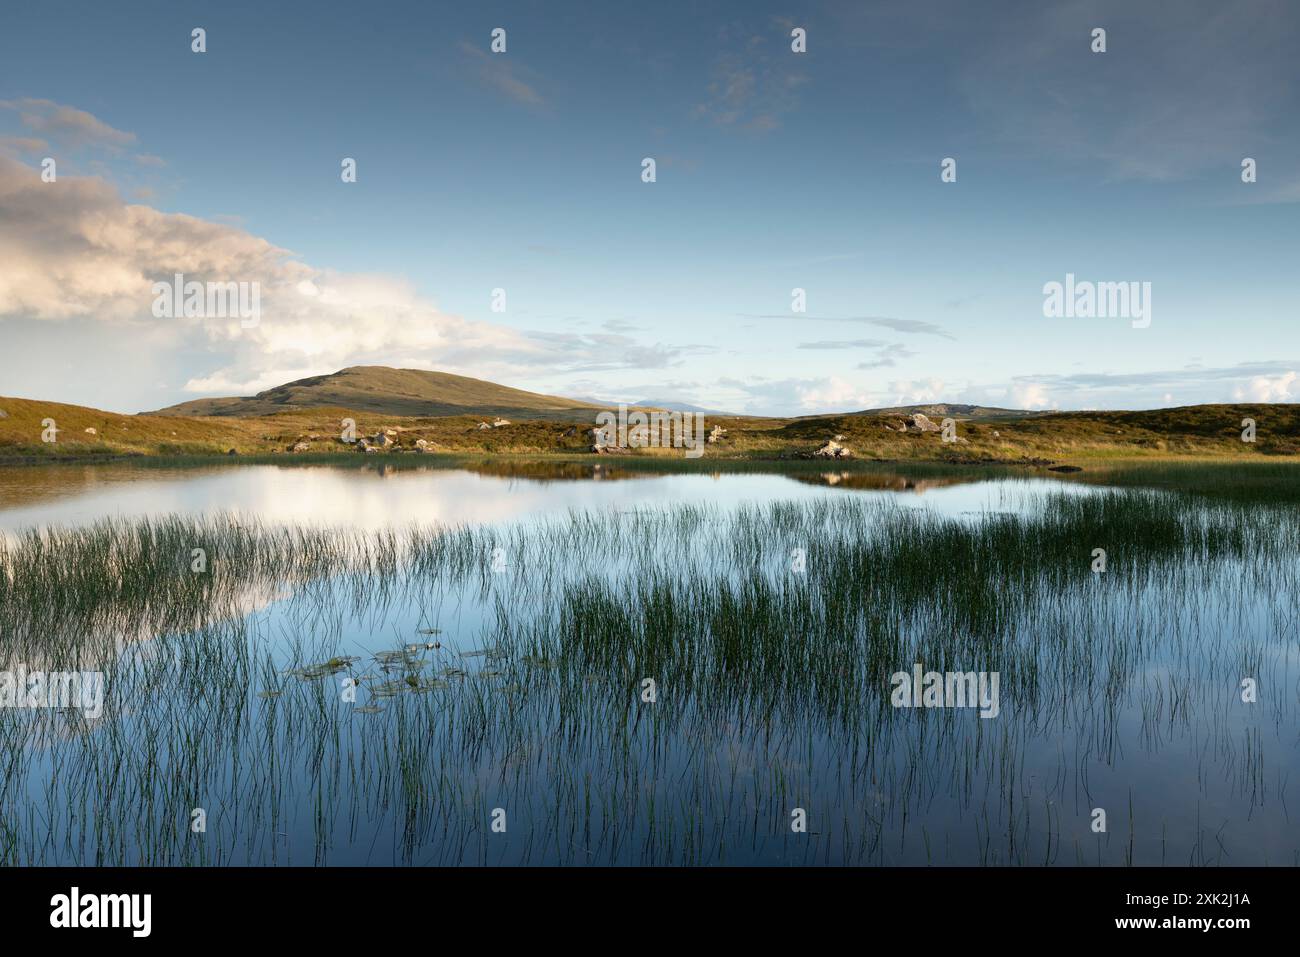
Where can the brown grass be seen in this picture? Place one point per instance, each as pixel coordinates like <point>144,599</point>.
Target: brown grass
<point>1210,431</point>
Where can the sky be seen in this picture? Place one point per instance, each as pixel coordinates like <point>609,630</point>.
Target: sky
<point>775,171</point>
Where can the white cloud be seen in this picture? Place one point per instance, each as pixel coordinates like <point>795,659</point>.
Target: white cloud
<point>833,394</point>
<point>917,393</point>
<point>1268,388</point>
<point>503,75</point>
<point>1031,395</point>
<point>75,250</point>
<point>67,124</point>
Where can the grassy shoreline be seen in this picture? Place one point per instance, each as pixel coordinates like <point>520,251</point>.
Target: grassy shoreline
<point>1273,481</point>
<point>1198,432</point>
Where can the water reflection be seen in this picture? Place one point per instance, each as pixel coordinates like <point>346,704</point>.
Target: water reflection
<point>479,493</point>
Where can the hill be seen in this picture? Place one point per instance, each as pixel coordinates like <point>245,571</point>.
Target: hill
<point>380,389</point>
<point>422,411</point>
<point>953,410</point>
<point>671,406</point>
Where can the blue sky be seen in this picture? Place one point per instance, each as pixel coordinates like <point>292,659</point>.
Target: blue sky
<point>775,170</point>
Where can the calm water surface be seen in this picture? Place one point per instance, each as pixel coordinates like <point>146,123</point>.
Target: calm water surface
<point>1150,729</point>
<point>379,497</point>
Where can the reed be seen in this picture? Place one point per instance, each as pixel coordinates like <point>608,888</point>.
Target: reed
<point>505,667</point>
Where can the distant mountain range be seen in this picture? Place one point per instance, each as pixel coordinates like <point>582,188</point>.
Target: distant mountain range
<point>418,392</point>
<point>670,406</point>
<point>953,410</point>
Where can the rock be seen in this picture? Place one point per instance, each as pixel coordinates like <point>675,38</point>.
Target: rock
<point>996,434</point>
<point>569,432</point>
<point>920,422</point>
<point>231,452</point>
<point>832,450</point>
<point>839,438</point>
<point>93,431</point>
<point>609,450</point>
<point>497,423</point>
<point>421,444</point>
<point>371,448</point>
<point>483,426</point>
<point>301,447</point>
<point>382,440</point>
<point>716,434</point>
<point>3,414</point>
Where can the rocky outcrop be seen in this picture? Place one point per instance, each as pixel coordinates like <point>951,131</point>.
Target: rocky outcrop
<point>716,434</point>
<point>832,450</point>
<point>920,422</point>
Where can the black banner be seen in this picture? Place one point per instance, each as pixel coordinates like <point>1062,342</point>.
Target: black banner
<point>327,905</point>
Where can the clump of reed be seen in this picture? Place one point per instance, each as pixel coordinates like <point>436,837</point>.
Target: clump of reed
<point>506,666</point>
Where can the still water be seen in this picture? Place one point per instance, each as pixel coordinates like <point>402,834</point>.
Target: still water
<point>481,696</point>
<point>378,497</point>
